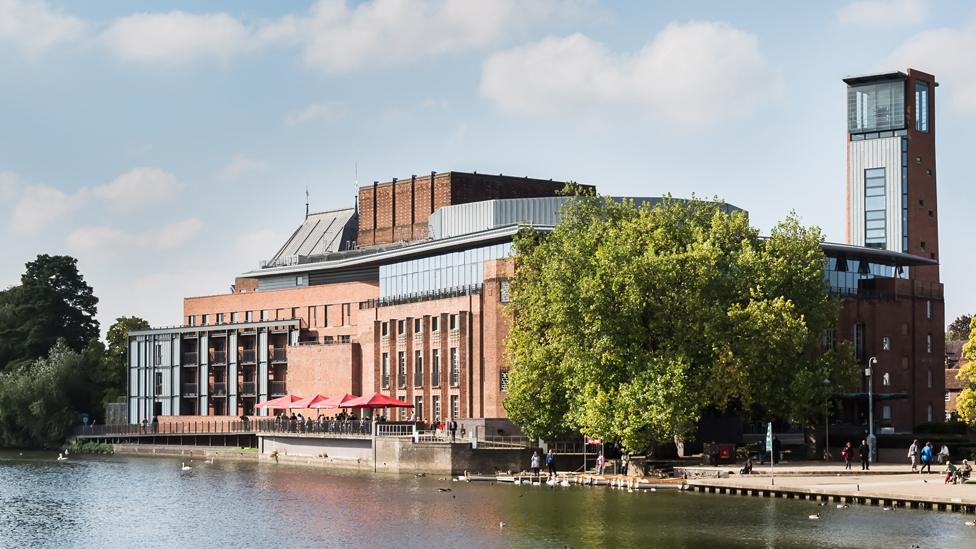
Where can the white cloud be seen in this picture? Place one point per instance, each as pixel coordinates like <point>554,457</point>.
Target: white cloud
<point>139,187</point>
<point>33,26</point>
<point>316,112</point>
<point>883,12</point>
<point>178,37</point>
<point>694,73</point>
<point>337,38</point>
<point>242,166</point>
<point>948,54</point>
<point>8,186</point>
<point>100,240</point>
<point>41,205</point>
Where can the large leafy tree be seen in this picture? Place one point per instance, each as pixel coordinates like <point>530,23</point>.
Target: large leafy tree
<point>630,321</point>
<point>53,302</point>
<point>958,330</point>
<point>966,402</point>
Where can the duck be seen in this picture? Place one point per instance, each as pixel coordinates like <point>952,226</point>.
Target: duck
<point>184,466</point>
<point>814,517</point>
<point>842,506</point>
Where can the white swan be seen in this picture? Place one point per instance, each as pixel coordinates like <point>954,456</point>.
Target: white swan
<point>61,457</point>
<point>184,466</point>
<point>210,461</point>
<point>564,482</point>
<point>814,517</point>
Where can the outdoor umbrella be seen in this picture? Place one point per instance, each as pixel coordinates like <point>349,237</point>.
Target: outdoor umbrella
<point>338,401</point>
<point>308,402</point>
<point>280,403</point>
<point>377,400</point>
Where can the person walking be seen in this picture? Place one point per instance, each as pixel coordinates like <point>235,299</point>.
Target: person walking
<point>913,455</point>
<point>865,453</point>
<point>534,463</point>
<point>551,463</point>
<point>452,426</point>
<point>600,462</point>
<point>943,454</point>
<point>926,456</point>
<point>848,454</point>
<point>624,464</point>
<point>776,457</point>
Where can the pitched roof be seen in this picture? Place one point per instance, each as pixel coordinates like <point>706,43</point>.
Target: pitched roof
<point>321,233</point>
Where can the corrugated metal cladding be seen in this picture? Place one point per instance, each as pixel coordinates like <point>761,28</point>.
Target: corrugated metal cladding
<point>321,233</point>
<point>876,153</point>
<point>481,216</point>
<point>282,282</point>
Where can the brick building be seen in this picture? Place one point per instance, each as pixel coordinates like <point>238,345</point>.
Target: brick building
<point>405,294</point>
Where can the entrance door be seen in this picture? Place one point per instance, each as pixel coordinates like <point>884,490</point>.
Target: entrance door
<point>157,409</point>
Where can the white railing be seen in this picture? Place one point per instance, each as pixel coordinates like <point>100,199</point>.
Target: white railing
<point>395,430</point>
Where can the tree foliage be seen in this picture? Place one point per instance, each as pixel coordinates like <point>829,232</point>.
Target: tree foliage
<point>958,330</point>
<point>629,321</point>
<point>966,401</point>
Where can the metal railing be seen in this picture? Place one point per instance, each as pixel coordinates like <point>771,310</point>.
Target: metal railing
<point>248,356</point>
<point>395,430</point>
<point>278,354</point>
<point>350,428</point>
<point>278,388</point>
<point>189,389</point>
<point>218,389</point>
<point>190,359</point>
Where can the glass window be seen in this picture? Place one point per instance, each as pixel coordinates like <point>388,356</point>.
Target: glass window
<point>876,107</point>
<point>435,323</point>
<point>401,369</point>
<point>885,343</point>
<point>455,367</point>
<point>886,412</point>
<point>921,106</point>
<point>416,326</point>
<point>264,315</point>
<point>455,406</point>
<point>928,309</point>
<point>503,379</point>
<point>418,369</point>
<point>874,208</point>
<point>928,379</point>
<point>385,370</point>
<point>435,367</point>
<point>191,320</point>
<point>248,316</point>
<point>928,343</point>
<point>435,403</point>
<point>503,291</point>
<point>206,319</point>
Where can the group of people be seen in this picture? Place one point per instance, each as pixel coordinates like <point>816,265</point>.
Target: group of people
<point>922,458</point>
<point>341,422</point>
<point>863,452</point>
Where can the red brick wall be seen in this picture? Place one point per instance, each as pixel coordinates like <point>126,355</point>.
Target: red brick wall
<point>923,213</point>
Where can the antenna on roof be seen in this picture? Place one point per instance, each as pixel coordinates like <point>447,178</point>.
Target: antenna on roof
<point>306,201</point>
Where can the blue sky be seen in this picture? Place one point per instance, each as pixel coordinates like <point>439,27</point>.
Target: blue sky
<point>168,145</point>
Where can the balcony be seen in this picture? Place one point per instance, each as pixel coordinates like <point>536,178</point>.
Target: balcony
<point>247,356</point>
<point>189,390</point>
<point>190,359</point>
<point>278,389</point>
<point>218,389</point>
<point>248,388</point>
<point>278,355</point>
<point>218,357</point>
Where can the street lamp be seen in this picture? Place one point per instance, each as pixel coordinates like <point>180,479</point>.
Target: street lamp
<point>871,438</point>
<point>827,422</point>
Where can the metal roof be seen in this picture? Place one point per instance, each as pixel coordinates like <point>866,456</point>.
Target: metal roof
<point>870,78</point>
<point>887,257</point>
<point>321,233</point>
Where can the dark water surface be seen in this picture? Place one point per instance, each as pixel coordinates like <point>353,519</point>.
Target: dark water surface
<point>149,502</point>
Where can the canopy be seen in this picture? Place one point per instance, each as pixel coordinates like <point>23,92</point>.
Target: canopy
<point>376,400</point>
<point>280,403</point>
<point>334,402</point>
<point>308,402</point>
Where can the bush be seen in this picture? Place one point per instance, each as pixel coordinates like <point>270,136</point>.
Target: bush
<point>91,447</point>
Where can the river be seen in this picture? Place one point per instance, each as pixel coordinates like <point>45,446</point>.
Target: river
<point>149,502</point>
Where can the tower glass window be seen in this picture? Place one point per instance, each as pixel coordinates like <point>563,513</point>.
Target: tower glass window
<point>876,107</point>
<point>921,106</point>
<point>875,221</point>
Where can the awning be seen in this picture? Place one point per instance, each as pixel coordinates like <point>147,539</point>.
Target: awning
<point>308,402</point>
<point>377,400</point>
<point>280,403</point>
<point>338,401</point>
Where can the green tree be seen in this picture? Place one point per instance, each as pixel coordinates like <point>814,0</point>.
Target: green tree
<point>958,330</point>
<point>109,375</point>
<point>966,401</point>
<point>630,321</point>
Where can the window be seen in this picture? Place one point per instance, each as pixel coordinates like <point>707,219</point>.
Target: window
<point>921,106</point>
<point>435,323</point>
<point>928,412</point>
<point>325,316</point>
<point>503,291</point>
<point>312,321</point>
<point>885,343</point>
<point>249,316</point>
<point>886,379</point>
<point>886,412</point>
<point>294,313</point>
<point>859,341</point>
<point>455,367</point>
<point>401,327</point>
<point>928,379</point>
<point>453,322</point>
<point>158,355</point>
<point>418,407</point>
<point>385,371</point>
<point>233,318</point>
<point>191,320</point>
<point>417,328</point>
<point>435,403</point>
<point>299,280</point>
<point>435,367</point>
<point>385,329</point>
<point>159,383</point>
<point>206,320</point>
<point>928,343</point>
<point>503,379</point>
<point>328,340</point>
<point>418,369</point>
<point>455,406</point>
<point>220,318</point>
<point>345,338</point>
<point>876,107</point>
<point>264,315</point>
<point>346,313</point>
<point>928,309</point>
<point>947,396</point>
<point>401,370</point>
<point>874,208</point>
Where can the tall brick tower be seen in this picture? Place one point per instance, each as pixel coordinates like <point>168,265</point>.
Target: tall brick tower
<point>891,177</point>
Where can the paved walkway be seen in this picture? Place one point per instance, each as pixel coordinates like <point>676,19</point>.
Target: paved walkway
<point>800,468</point>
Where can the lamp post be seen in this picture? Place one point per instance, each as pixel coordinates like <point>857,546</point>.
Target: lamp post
<point>827,422</point>
<point>871,439</point>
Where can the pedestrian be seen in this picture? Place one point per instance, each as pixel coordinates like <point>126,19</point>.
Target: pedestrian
<point>943,454</point>
<point>762,451</point>
<point>865,454</point>
<point>926,456</point>
<point>776,457</point>
<point>600,462</point>
<point>534,464</point>
<point>551,462</point>
<point>452,425</point>
<point>848,454</point>
<point>913,455</point>
<point>624,464</point>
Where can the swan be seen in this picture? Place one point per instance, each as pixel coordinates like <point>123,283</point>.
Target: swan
<point>842,506</point>
<point>210,461</point>
<point>971,523</point>
<point>61,457</point>
<point>184,466</point>
<point>564,482</point>
<point>551,482</point>
<point>814,517</point>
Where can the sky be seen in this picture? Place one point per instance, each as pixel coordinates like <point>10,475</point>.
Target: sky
<point>168,145</point>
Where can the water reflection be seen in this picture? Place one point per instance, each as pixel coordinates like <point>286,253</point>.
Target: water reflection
<point>147,502</point>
